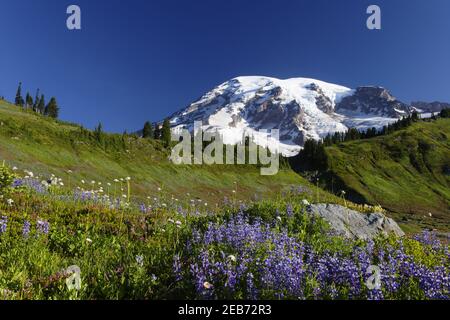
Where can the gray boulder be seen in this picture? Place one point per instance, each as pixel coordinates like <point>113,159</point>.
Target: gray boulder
<point>353,224</point>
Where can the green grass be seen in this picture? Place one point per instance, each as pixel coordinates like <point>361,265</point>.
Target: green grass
<point>42,145</point>
<point>405,172</point>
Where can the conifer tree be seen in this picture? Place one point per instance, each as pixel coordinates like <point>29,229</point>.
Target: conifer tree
<point>41,105</point>
<point>147,132</point>
<point>28,101</point>
<point>19,100</point>
<point>52,109</point>
<point>165,133</point>
<point>98,132</point>
<point>36,101</point>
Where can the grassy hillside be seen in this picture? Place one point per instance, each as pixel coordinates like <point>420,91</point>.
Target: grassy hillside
<point>45,146</point>
<point>407,172</point>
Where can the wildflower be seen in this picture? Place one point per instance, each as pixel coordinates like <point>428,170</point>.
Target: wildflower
<point>171,220</point>
<point>3,224</point>
<point>232,258</point>
<point>279,218</point>
<point>14,168</point>
<point>69,171</point>
<point>61,184</point>
<point>128,178</point>
<point>88,240</point>
<point>82,181</point>
<point>10,202</point>
<point>289,210</point>
<point>92,182</point>
<point>207,285</point>
<point>140,260</point>
<point>116,180</point>
<point>159,189</point>
<point>42,226</point>
<point>154,278</point>
<point>26,228</point>
<point>177,267</point>
<point>305,202</point>
<point>178,223</point>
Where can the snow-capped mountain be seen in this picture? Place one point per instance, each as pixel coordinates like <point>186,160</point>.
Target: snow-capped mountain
<point>300,108</point>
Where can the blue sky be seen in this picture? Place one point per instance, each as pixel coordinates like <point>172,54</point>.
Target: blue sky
<point>140,60</point>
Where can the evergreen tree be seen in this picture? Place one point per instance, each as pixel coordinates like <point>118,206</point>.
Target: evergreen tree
<point>36,101</point>
<point>147,132</point>
<point>41,105</point>
<point>445,113</point>
<point>98,132</point>
<point>52,109</point>
<point>28,101</point>
<point>19,100</point>
<point>165,133</point>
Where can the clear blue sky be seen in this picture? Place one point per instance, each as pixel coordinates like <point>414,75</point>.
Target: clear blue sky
<point>142,60</point>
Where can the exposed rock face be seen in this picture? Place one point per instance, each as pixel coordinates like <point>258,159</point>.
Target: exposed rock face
<point>300,108</point>
<point>374,101</point>
<point>353,224</point>
<point>435,106</point>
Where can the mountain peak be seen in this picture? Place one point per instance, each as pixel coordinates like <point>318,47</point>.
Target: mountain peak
<point>301,108</point>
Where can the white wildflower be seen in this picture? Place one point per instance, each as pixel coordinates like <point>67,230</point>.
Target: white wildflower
<point>207,285</point>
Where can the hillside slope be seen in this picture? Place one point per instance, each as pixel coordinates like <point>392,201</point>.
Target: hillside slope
<point>407,172</point>
<point>45,146</point>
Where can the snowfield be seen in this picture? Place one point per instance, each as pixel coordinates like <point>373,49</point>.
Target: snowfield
<point>300,108</point>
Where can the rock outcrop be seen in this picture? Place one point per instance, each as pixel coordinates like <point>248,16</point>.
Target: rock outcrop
<point>353,224</point>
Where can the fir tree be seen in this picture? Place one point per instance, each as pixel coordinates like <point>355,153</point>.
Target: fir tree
<point>445,113</point>
<point>41,105</point>
<point>28,101</point>
<point>147,132</point>
<point>165,133</point>
<point>36,101</point>
<point>19,100</point>
<point>98,132</point>
<point>52,109</point>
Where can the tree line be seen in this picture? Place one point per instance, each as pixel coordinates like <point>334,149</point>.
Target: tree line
<point>38,105</point>
<point>313,155</point>
<point>158,132</point>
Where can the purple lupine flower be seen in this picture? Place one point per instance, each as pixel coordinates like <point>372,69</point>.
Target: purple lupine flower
<point>3,224</point>
<point>42,226</point>
<point>177,269</point>
<point>289,210</point>
<point>26,229</point>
